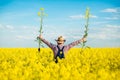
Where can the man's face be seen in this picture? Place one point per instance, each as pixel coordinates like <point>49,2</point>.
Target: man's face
<point>59,43</point>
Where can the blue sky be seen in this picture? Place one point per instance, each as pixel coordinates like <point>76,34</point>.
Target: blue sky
<point>19,22</point>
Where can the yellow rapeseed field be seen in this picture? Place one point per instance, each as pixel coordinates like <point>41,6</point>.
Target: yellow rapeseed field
<point>28,64</point>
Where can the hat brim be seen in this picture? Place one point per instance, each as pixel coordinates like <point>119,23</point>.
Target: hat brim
<point>60,41</point>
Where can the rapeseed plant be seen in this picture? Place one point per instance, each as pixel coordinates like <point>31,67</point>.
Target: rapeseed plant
<point>27,64</point>
<point>41,14</point>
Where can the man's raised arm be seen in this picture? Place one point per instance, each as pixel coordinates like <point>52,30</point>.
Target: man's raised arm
<point>45,41</point>
<point>75,43</point>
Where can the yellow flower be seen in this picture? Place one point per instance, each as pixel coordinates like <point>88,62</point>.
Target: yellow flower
<point>28,64</point>
<point>39,13</point>
<point>87,13</point>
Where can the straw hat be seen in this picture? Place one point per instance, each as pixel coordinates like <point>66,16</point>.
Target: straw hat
<point>60,40</point>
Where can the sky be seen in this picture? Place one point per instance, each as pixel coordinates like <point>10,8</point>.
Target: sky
<point>20,23</point>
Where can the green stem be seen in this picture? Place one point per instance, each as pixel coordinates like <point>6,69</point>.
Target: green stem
<point>40,31</point>
<point>86,29</point>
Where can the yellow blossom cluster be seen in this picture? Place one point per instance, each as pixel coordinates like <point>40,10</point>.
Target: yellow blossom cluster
<point>28,64</point>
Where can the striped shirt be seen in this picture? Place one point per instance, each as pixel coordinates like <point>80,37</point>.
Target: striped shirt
<point>66,47</point>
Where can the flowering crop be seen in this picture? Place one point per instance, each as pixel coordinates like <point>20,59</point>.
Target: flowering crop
<point>28,64</point>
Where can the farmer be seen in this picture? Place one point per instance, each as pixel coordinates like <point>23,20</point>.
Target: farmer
<point>60,49</point>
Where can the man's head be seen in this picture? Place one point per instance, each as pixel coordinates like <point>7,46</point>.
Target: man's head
<point>60,40</point>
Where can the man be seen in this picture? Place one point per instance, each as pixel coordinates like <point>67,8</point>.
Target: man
<point>60,49</point>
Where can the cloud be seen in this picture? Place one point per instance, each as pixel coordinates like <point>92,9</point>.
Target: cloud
<point>17,15</point>
<point>24,37</point>
<point>110,10</point>
<point>106,32</point>
<point>81,16</point>
<point>6,27</point>
<point>111,27</point>
<point>77,16</point>
<point>93,16</point>
<point>1,26</point>
<point>114,13</point>
<point>19,32</point>
<point>99,23</point>
<point>98,36</point>
<point>111,18</point>
<point>9,27</point>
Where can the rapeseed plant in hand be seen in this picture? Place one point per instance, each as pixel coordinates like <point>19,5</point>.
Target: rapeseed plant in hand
<point>41,14</point>
<point>87,16</point>
<point>86,25</point>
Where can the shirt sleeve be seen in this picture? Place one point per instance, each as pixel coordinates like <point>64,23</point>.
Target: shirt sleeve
<point>73,44</point>
<point>48,43</point>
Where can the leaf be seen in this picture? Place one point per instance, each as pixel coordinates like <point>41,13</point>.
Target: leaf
<point>42,9</point>
<point>88,47</point>
<point>42,45</point>
<point>85,31</point>
<point>83,44</point>
<point>86,26</point>
<point>84,41</point>
<point>85,35</point>
<point>37,38</point>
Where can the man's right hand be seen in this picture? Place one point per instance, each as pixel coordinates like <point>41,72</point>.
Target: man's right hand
<point>40,36</point>
<point>84,39</point>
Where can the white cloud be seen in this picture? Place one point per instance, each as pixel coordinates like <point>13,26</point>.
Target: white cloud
<point>111,18</point>
<point>110,10</point>
<point>98,36</point>
<point>113,27</point>
<point>81,16</point>
<point>77,16</point>
<point>76,37</point>
<point>24,34</point>
<point>6,27</point>
<point>24,37</point>
<point>93,16</point>
<point>19,32</point>
<point>17,15</point>
<point>115,13</point>
<point>31,28</point>
<point>99,23</point>
<point>9,27</point>
<point>106,32</point>
<point>1,26</point>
